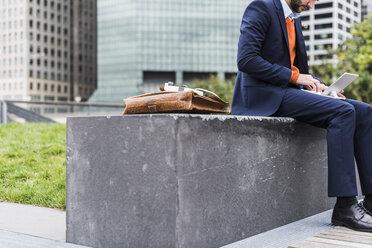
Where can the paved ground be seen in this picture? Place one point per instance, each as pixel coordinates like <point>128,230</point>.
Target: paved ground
<point>17,240</point>
<point>41,222</point>
<point>25,226</point>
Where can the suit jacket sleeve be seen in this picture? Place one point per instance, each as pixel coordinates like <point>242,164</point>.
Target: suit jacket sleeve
<point>255,25</point>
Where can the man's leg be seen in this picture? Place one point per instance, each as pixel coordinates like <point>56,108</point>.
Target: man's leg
<point>363,148</point>
<point>338,117</point>
<point>363,144</point>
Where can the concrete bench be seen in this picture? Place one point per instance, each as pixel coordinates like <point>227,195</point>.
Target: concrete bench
<point>177,180</point>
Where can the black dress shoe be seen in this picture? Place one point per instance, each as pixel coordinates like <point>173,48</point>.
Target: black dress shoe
<point>367,206</point>
<point>355,217</point>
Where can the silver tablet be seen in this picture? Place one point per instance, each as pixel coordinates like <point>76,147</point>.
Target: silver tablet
<point>340,84</point>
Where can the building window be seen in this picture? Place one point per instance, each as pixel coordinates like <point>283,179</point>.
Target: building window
<point>322,56</point>
<point>323,16</point>
<point>59,88</point>
<point>323,47</point>
<point>45,87</point>
<point>323,36</point>
<point>323,26</point>
<point>324,5</point>
<point>306,27</point>
<point>305,18</point>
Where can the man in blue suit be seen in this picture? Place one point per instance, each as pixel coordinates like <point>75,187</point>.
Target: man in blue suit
<point>273,69</point>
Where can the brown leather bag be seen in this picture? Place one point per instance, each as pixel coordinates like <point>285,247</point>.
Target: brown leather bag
<point>175,102</point>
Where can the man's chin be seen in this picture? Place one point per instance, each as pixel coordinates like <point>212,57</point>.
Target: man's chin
<point>300,9</point>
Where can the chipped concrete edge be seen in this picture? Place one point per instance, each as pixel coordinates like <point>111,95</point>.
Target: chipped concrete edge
<point>204,117</point>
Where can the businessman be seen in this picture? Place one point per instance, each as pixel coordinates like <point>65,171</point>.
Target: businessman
<point>273,69</point>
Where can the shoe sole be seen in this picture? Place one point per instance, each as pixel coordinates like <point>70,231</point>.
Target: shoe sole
<point>339,223</point>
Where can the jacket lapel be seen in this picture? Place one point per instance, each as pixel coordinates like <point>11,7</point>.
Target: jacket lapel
<point>279,12</point>
<point>300,45</point>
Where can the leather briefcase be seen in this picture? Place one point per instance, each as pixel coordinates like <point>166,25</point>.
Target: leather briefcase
<point>175,102</point>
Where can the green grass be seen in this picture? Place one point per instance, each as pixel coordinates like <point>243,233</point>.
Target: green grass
<point>33,164</point>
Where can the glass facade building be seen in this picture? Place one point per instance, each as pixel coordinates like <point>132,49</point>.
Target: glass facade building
<point>144,43</point>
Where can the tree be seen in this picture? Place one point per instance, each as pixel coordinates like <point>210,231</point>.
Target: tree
<point>354,56</point>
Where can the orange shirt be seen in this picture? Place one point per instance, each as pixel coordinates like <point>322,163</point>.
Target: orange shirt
<point>292,48</point>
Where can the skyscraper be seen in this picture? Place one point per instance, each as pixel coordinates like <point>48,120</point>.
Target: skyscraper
<point>145,43</point>
<point>366,8</point>
<point>327,25</point>
<point>48,49</point>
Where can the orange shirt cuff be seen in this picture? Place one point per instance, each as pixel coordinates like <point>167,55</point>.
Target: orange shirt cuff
<point>295,75</point>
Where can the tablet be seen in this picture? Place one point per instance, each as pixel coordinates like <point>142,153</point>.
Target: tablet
<point>340,84</point>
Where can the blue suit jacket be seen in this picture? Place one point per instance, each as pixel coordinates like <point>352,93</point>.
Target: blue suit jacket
<point>264,59</point>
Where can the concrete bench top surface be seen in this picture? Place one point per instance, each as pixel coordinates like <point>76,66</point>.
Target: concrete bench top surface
<point>206,117</point>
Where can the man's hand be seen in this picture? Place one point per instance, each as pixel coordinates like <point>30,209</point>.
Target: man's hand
<point>310,83</point>
<point>341,95</point>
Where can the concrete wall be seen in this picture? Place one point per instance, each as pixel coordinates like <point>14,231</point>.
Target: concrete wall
<point>190,180</point>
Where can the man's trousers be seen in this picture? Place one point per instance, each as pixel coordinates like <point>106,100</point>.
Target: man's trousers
<point>349,135</point>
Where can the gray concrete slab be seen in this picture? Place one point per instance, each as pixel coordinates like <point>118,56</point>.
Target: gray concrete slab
<point>37,221</point>
<point>184,181</point>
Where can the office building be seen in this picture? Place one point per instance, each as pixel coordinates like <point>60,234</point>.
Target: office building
<point>327,25</point>
<point>145,43</point>
<point>48,49</point>
<point>366,8</point>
